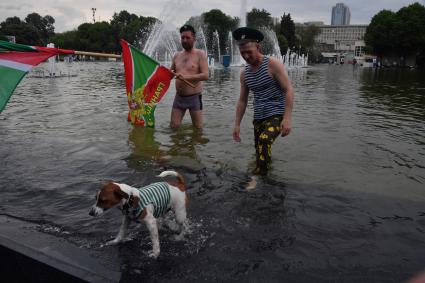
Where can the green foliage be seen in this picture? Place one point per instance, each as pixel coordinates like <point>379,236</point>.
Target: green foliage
<point>99,36</point>
<point>95,37</point>
<point>401,33</point>
<point>43,25</point>
<point>216,20</point>
<point>410,29</point>
<point>67,40</point>
<point>258,19</point>
<point>287,29</point>
<point>305,37</point>
<point>130,27</point>
<point>380,33</point>
<point>283,43</point>
<point>24,33</point>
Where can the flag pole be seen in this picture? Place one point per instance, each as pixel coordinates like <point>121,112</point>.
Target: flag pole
<point>108,55</point>
<point>184,80</point>
<point>96,54</point>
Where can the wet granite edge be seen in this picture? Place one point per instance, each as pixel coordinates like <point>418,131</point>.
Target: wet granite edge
<point>32,256</point>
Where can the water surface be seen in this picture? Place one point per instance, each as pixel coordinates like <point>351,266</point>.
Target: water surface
<point>344,200</point>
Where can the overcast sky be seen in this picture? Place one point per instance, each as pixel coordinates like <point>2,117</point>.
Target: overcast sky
<point>68,14</point>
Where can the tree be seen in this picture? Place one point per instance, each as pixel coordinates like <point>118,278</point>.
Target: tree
<point>287,28</point>
<point>305,36</point>
<point>410,29</point>
<point>95,37</point>
<point>43,25</point>
<point>66,40</point>
<point>380,33</point>
<point>398,34</point>
<point>23,32</point>
<point>259,19</point>
<point>216,20</point>
<point>283,43</point>
<point>130,27</point>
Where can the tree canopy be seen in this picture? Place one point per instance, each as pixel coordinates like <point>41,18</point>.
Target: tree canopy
<point>259,19</point>
<point>401,33</point>
<point>34,30</point>
<point>216,20</point>
<point>287,29</point>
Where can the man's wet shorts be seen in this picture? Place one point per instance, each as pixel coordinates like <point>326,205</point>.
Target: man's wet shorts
<point>192,102</point>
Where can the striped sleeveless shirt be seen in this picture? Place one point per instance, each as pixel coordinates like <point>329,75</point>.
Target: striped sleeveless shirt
<point>157,194</point>
<point>269,98</point>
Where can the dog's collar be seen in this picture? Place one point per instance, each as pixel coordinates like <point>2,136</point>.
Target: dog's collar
<point>128,204</point>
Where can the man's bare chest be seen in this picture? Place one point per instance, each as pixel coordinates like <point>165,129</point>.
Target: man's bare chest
<point>187,63</point>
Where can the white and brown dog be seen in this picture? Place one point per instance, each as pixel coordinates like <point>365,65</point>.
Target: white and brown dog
<point>147,204</point>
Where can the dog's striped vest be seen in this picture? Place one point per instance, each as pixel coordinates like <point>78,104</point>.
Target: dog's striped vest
<point>156,194</point>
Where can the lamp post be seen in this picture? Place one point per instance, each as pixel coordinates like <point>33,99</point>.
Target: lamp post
<point>94,12</point>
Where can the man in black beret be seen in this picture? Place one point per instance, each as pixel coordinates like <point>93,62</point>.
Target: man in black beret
<point>267,79</point>
<point>190,64</point>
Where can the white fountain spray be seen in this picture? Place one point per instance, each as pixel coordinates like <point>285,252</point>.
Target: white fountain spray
<point>270,36</point>
<point>164,31</point>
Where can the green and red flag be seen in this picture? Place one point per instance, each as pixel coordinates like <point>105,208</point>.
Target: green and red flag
<point>16,60</point>
<point>146,82</point>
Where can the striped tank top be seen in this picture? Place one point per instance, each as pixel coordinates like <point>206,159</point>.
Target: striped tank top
<point>157,194</point>
<point>269,98</point>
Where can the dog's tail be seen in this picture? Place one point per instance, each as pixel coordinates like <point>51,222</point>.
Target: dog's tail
<point>172,173</point>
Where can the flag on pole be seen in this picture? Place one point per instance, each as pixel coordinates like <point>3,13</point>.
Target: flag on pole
<point>16,60</point>
<point>146,82</point>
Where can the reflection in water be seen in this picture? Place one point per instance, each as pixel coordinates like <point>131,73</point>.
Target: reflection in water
<point>401,91</point>
<point>146,151</point>
<point>392,106</point>
<point>184,141</point>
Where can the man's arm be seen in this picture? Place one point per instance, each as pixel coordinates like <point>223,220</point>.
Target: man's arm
<point>240,107</point>
<point>278,72</point>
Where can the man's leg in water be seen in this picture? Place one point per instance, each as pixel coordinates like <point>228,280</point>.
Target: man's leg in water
<point>176,118</point>
<point>196,118</point>
<point>265,132</point>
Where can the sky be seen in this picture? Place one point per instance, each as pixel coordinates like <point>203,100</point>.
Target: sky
<point>69,14</point>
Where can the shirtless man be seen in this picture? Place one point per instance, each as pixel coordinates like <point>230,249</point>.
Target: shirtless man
<point>190,64</point>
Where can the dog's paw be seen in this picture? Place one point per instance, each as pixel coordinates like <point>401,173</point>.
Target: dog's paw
<point>178,237</point>
<point>173,226</point>
<point>113,242</point>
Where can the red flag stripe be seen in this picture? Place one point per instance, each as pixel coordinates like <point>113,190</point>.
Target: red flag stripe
<point>158,84</point>
<point>29,58</point>
<point>54,50</point>
<point>128,66</point>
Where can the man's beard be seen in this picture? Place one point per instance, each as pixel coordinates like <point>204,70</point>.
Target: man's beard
<point>187,46</point>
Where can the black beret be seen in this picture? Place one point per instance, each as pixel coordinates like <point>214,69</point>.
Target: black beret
<point>187,28</point>
<point>248,34</point>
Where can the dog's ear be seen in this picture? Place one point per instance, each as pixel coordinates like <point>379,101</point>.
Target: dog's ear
<point>136,201</point>
<point>119,193</point>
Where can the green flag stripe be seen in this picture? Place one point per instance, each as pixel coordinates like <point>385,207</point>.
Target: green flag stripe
<point>143,67</point>
<point>16,47</point>
<point>9,79</point>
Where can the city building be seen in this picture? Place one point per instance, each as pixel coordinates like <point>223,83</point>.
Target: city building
<point>340,38</point>
<point>342,41</point>
<point>314,23</point>
<point>340,15</point>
